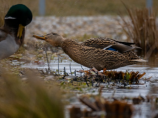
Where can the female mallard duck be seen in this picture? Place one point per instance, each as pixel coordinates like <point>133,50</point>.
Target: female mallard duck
<point>99,53</point>
<point>13,31</point>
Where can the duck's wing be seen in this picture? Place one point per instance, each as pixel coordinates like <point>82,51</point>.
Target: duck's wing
<point>98,42</point>
<point>122,48</point>
<point>110,44</point>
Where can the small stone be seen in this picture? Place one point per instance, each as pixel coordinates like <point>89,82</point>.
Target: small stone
<point>40,51</point>
<point>24,78</point>
<point>49,78</point>
<point>49,52</point>
<point>40,55</point>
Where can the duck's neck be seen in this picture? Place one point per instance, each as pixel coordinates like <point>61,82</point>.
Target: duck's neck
<point>13,32</point>
<point>68,44</point>
<point>70,47</point>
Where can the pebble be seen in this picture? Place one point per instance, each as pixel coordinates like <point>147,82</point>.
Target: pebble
<point>49,78</point>
<point>72,26</point>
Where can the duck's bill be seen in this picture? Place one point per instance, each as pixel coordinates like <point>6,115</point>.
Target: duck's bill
<point>39,37</point>
<point>20,31</point>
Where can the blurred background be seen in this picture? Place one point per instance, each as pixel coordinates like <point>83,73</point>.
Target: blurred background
<point>124,20</point>
<point>79,7</point>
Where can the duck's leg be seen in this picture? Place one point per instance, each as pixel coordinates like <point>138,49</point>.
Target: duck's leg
<point>95,70</point>
<point>98,73</point>
<point>104,70</point>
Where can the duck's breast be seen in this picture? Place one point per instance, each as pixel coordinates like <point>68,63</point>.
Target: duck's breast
<point>8,47</point>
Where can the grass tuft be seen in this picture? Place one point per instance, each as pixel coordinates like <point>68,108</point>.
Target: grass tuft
<point>142,29</point>
<point>32,98</point>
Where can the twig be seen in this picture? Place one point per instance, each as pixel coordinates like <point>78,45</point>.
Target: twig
<point>85,78</point>
<point>58,64</point>
<point>82,67</point>
<point>47,59</point>
<point>87,102</point>
<point>75,72</point>
<point>70,68</point>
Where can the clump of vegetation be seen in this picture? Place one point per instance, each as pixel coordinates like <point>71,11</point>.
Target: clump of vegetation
<point>94,78</point>
<point>32,98</point>
<point>143,31</point>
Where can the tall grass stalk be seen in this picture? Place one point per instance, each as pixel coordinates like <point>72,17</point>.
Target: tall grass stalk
<point>141,28</point>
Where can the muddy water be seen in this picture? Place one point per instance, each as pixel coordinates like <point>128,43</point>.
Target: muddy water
<point>141,111</point>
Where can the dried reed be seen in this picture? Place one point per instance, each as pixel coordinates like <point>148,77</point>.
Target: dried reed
<point>143,31</point>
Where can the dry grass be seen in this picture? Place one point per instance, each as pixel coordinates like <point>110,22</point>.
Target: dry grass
<point>75,7</point>
<point>32,98</point>
<point>81,7</point>
<point>3,9</point>
<point>143,31</point>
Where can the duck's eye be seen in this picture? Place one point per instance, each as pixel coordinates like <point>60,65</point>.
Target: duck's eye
<point>55,34</point>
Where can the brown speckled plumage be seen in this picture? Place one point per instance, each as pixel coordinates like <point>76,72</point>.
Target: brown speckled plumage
<point>91,53</point>
<point>105,42</point>
<point>95,57</point>
<point>98,42</point>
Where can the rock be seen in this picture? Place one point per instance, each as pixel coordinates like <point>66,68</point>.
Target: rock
<point>49,78</point>
<point>49,52</point>
<point>24,78</point>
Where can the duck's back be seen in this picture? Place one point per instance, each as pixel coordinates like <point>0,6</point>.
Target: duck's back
<point>108,43</point>
<point>98,42</point>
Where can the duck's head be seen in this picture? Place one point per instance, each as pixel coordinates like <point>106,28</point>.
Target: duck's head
<point>18,17</point>
<point>53,38</point>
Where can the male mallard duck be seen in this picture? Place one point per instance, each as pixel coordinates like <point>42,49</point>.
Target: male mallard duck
<point>13,31</point>
<point>99,53</point>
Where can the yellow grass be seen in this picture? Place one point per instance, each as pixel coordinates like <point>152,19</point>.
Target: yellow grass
<point>32,98</point>
<point>75,7</point>
<point>143,31</point>
<point>82,7</point>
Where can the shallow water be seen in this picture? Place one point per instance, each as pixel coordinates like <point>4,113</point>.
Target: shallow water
<point>71,65</point>
<point>143,110</point>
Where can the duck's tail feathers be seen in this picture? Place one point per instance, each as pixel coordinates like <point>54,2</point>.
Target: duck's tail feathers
<point>133,48</point>
<point>136,47</point>
<point>139,60</point>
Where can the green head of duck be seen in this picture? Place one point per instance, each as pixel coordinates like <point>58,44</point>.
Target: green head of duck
<point>21,13</point>
<point>18,16</point>
<point>53,38</point>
